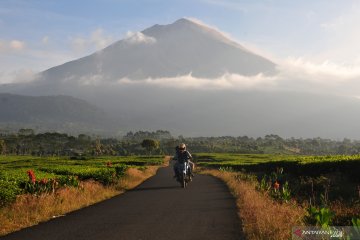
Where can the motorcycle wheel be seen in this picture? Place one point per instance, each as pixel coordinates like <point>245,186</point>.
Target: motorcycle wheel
<point>183,181</point>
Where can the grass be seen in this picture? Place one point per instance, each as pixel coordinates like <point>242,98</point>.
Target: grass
<point>261,217</point>
<point>267,213</point>
<point>29,209</point>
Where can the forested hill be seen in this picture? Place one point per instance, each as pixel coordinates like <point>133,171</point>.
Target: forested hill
<point>27,141</point>
<point>48,112</point>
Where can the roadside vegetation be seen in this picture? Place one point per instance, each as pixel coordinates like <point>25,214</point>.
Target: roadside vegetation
<point>35,189</point>
<point>278,192</point>
<point>279,183</point>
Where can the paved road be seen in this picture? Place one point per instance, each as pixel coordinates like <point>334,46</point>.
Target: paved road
<point>158,209</point>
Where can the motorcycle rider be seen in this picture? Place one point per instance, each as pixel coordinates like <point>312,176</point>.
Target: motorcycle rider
<point>181,156</point>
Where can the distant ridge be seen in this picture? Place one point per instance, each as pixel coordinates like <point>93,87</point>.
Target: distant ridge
<point>59,113</point>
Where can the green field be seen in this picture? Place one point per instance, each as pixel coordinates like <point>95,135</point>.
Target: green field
<point>14,177</point>
<point>299,165</point>
<point>250,159</point>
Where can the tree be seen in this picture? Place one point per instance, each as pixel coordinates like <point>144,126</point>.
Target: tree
<point>150,145</point>
<point>97,148</point>
<point>2,146</point>
<point>26,132</point>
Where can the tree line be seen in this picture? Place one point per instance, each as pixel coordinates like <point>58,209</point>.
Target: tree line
<point>27,142</point>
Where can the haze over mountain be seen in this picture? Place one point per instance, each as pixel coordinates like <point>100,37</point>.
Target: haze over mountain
<point>57,113</point>
<point>192,80</point>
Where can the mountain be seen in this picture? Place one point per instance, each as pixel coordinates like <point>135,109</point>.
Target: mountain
<point>181,48</point>
<point>58,113</point>
<point>142,82</point>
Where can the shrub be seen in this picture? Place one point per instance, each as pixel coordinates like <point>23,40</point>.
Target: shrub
<point>319,216</point>
<point>68,181</point>
<point>105,176</point>
<point>39,187</point>
<point>9,191</point>
<point>120,170</point>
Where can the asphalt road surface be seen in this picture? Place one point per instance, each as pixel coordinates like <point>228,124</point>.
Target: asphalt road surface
<point>158,209</point>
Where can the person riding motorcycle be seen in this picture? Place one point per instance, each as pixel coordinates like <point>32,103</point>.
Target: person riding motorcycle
<point>181,156</point>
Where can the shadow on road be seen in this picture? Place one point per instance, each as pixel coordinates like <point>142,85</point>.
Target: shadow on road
<point>154,188</point>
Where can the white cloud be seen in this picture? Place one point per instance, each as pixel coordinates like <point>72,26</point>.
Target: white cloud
<point>13,45</point>
<point>97,40</point>
<point>325,72</point>
<point>227,81</point>
<point>17,76</point>
<point>298,74</point>
<point>294,74</point>
<point>94,80</point>
<point>138,38</point>
<point>17,45</point>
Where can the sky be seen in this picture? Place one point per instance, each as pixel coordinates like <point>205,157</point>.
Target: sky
<point>319,39</point>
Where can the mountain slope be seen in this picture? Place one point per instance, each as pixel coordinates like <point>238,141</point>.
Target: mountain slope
<point>181,48</point>
<point>49,112</point>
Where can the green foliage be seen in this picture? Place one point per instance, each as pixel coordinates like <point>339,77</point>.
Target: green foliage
<point>106,176</point>
<point>39,187</point>
<point>356,224</point>
<point>50,173</point>
<point>150,144</point>
<point>26,141</point>
<point>264,185</point>
<point>68,181</point>
<point>297,165</point>
<point>9,191</point>
<point>141,135</point>
<point>2,146</point>
<point>272,184</point>
<point>285,193</point>
<point>120,170</point>
<point>319,216</point>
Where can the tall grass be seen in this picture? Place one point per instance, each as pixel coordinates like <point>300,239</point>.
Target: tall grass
<point>262,217</point>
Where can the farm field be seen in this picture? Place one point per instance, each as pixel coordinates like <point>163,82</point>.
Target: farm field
<point>237,160</point>
<point>324,186</point>
<point>35,189</point>
<point>16,172</point>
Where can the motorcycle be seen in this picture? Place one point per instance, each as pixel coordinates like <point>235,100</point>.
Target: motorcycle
<point>185,174</point>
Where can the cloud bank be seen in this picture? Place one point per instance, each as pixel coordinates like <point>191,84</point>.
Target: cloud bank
<point>294,74</point>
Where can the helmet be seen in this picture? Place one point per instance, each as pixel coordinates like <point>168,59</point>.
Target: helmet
<point>182,146</point>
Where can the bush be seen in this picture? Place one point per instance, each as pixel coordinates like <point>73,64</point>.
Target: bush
<point>68,181</point>
<point>105,176</point>
<point>9,191</point>
<point>319,216</point>
<point>120,170</point>
<point>39,187</point>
